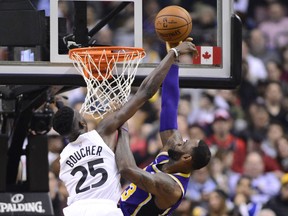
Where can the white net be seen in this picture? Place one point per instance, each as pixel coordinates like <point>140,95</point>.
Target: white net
<point>108,76</point>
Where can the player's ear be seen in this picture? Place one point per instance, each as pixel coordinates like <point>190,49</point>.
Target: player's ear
<point>187,157</point>
<point>82,125</point>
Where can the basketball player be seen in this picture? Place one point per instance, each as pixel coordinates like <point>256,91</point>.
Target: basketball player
<point>87,164</point>
<point>160,187</point>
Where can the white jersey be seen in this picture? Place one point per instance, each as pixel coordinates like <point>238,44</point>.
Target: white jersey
<point>88,169</point>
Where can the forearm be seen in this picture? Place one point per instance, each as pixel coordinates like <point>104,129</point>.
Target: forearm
<point>152,82</point>
<point>123,153</point>
<point>127,165</point>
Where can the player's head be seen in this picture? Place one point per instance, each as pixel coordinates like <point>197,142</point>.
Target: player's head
<point>67,122</point>
<point>191,154</point>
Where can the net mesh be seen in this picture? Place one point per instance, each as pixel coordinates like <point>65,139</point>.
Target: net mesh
<point>108,74</point>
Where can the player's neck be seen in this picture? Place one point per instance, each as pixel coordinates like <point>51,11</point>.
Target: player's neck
<point>172,167</point>
<point>73,136</point>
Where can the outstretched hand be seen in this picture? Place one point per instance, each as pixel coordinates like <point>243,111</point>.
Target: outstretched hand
<point>187,47</point>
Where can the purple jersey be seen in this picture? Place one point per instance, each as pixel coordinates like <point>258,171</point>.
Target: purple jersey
<point>135,201</point>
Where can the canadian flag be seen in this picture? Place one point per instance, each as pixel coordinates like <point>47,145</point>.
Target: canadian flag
<point>208,55</point>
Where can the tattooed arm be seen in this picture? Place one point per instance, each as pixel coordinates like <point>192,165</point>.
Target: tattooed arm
<point>166,190</point>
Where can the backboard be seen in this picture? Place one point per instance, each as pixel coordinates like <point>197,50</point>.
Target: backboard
<point>216,32</point>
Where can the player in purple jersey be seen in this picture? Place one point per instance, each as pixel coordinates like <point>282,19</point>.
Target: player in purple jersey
<point>160,187</point>
<point>92,182</point>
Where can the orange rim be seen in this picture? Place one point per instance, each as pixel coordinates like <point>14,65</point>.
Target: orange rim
<point>110,52</point>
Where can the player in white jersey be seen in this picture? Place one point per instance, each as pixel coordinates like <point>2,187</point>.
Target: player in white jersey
<point>88,167</point>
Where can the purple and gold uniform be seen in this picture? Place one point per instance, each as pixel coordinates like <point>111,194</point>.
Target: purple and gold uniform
<point>135,201</point>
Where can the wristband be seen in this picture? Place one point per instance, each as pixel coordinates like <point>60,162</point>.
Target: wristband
<point>176,52</point>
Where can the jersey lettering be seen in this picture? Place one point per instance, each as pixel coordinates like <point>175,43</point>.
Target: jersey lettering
<point>93,172</point>
<point>83,152</point>
<point>128,192</point>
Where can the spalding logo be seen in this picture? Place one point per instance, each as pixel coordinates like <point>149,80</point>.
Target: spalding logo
<point>17,198</point>
<point>16,206</point>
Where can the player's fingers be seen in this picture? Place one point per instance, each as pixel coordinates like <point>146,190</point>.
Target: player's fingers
<point>168,47</point>
<point>189,39</point>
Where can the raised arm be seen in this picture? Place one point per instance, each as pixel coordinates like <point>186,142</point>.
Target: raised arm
<point>157,184</point>
<point>169,108</point>
<point>147,89</point>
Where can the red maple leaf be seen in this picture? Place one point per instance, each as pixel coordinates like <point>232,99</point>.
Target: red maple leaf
<point>206,55</point>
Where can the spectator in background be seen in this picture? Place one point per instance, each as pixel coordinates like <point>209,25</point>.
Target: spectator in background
<point>242,200</point>
<point>204,114</point>
<point>256,13</point>
<point>259,120</point>
<point>274,70</point>
<point>204,25</point>
<point>220,168</point>
<point>254,168</point>
<point>273,98</point>
<point>230,100</point>
<point>282,153</point>
<point>222,138</point>
<point>258,47</point>
<point>217,204</point>
<point>276,24</point>
<point>256,68</point>
<point>279,203</point>
<point>268,147</point>
<point>196,131</point>
<point>275,132</point>
<point>277,74</point>
<point>200,186</point>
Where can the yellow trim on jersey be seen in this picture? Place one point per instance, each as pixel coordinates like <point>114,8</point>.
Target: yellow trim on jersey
<point>178,182</point>
<point>166,211</point>
<point>162,153</point>
<point>185,175</point>
<point>141,204</point>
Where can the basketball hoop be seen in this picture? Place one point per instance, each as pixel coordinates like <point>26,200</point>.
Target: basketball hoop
<point>108,73</point>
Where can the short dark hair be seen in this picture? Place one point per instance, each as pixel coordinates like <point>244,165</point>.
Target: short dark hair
<point>244,177</point>
<point>63,120</point>
<point>201,155</point>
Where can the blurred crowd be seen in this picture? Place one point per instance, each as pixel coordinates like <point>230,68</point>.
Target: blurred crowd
<point>246,128</point>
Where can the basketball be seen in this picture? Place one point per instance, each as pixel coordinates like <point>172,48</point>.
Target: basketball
<point>173,24</point>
